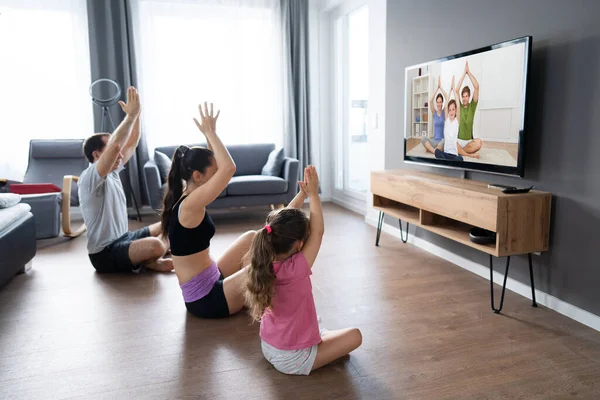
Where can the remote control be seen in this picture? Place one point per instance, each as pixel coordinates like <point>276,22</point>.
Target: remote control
<point>517,190</point>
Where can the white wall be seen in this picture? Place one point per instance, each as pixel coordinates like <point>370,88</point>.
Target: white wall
<point>320,104</point>
<point>377,93</point>
<point>317,103</point>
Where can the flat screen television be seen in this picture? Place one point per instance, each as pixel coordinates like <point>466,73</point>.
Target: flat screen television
<point>467,111</point>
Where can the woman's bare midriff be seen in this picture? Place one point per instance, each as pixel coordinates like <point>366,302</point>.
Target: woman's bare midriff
<point>187,267</point>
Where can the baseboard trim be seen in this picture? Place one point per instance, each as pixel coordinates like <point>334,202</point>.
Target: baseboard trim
<point>545,299</point>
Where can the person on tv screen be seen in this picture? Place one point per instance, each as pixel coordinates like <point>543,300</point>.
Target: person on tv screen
<point>439,117</point>
<point>448,149</point>
<point>465,129</point>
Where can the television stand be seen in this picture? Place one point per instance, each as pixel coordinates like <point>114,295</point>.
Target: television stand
<point>450,207</point>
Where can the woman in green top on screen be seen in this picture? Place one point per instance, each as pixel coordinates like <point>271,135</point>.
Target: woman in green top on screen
<point>465,130</point>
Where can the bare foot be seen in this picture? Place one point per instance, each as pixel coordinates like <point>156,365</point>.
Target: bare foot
<point>474,155</point>
<point>429,148</point>
<point>161,265</point>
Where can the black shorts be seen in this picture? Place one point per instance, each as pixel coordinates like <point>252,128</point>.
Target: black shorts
<point>213,305</point>
<point>115,256</point>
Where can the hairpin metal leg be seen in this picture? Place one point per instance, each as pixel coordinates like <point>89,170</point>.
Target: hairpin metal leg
<point>534,304</point>
<point>379,226</point>
<point>497,310</point>
<point>404,239</point>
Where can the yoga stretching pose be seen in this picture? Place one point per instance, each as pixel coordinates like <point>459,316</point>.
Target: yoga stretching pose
<point>111,247</point>
<point>450,148</point>
<point>439,117</point>
<point>210,289</point>
<point>279,290</point>
<point>447,149</point>
<point>465,129</point>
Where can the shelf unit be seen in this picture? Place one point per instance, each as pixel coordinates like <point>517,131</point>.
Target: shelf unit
<point>420,111</point>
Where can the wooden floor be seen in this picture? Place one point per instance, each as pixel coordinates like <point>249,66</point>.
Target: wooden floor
<point>428,332</point>
<point>511,148</point>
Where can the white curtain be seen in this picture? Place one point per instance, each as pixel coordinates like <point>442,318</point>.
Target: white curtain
<point>223,51</point>
<point>44,77</point>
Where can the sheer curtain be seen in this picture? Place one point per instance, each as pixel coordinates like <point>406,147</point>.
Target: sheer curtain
<point>224,51</point>
<point>44,77</point>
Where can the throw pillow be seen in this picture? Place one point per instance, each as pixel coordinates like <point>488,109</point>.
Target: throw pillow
<point>9,199</point>
<point>163,163</point>
<point>34,188</point>
<point>274,163</point>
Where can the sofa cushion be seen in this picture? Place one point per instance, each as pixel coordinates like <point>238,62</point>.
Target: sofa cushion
<point>163,163</point>
<point>12,215</point>
<point>256,185</point>
<point>274,163</point>
<point>9,199</point>
<point>250,158</point>
<point>164,188</point>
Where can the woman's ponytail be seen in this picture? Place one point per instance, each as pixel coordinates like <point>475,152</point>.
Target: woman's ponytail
<point>174,188</point>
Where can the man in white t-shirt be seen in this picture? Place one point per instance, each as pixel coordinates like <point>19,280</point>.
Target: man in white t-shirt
<point>111,247</point>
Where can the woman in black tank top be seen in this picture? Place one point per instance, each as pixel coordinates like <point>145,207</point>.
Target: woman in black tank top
<point>211,289</point>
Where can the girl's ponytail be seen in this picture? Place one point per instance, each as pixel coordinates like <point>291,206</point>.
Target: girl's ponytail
<point>261,276</point>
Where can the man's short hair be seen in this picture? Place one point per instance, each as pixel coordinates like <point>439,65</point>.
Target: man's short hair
<point>92,144</point>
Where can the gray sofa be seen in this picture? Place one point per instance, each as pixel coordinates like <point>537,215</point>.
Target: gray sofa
<point>248,187</point>
<point>17,240</point>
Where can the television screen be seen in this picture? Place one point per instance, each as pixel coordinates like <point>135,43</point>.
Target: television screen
<point>468,110</point>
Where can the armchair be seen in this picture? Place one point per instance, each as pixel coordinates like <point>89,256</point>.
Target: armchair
<point>57,162</point>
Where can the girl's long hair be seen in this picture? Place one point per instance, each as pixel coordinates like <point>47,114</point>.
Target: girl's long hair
<point>287,226</point>
<point>185,161</point>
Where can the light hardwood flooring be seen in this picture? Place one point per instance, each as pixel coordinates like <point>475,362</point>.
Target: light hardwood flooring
<point>428,331</point>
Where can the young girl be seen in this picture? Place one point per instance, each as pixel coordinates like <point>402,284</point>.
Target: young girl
<point>279,291</point>
<point>448,149</point>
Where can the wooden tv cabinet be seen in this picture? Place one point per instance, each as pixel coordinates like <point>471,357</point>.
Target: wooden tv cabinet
<point>450,207</point>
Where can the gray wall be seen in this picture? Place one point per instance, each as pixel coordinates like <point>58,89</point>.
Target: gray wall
<point>563,130</point>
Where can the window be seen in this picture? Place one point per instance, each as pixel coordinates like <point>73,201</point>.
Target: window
<point>44,77</point>
<point>350,69</point>
<point>225,52</point>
